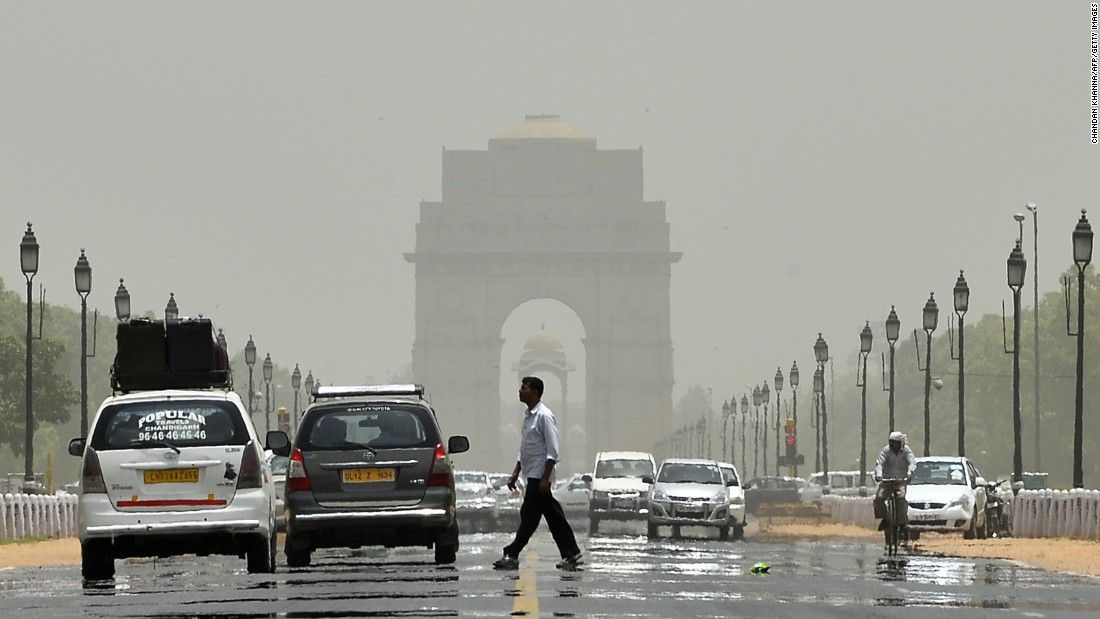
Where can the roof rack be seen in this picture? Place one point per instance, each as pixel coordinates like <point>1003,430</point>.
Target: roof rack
<point>367,390</point>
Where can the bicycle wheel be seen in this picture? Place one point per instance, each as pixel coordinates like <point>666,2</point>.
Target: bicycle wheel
<point>889,532</point>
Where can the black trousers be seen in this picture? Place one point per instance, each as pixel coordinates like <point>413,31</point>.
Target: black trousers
<point>537,505</point>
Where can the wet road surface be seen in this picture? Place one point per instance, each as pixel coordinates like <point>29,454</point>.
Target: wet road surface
<point>625,575</point>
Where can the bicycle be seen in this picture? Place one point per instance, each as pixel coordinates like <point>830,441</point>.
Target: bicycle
<point>893,530</point>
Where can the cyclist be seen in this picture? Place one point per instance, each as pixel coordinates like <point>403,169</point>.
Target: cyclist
<point>895,461</point>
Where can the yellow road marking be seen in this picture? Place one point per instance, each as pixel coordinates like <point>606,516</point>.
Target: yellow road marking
<point>526,603</point>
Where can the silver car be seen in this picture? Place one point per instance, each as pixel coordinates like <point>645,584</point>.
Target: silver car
<point>689,492</point>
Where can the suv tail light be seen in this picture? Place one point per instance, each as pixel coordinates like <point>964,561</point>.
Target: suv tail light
<point>440,474</point>
<point>296,478</point>
<point>252,475</point>
<point>91,479</point>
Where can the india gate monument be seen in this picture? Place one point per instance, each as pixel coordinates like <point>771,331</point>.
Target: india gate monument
<point>544,214</point>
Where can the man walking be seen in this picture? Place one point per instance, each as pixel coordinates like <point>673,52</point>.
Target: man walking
<point>538,454</point>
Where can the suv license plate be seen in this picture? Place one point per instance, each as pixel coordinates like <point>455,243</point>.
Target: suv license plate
<point>359,476</point>
<point>172,476</point>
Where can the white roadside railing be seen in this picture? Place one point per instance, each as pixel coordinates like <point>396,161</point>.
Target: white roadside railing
<point>37,515</point>
<point>1035,513</point>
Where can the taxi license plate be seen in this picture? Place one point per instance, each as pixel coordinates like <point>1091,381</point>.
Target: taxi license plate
<point>172,476</point>
<point>359,476</point>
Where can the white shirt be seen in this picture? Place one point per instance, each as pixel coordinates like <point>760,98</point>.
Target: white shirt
<point>895,466</point>
<point>538,442</point>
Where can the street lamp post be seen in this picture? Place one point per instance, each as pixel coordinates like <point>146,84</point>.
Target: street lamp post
<point>1017,269</point>
<point>268,369</point>
<point>765,397</point>
<point>309,386</point>
<point>725,422</point>
<point>821,353</point>
<point>744,414</point>
<point>171,310</point>
<point>930,319</point>
<point>865,338</point>
<point>794,409</point>
<point>778,414</point>
<point>250,360</point>
<point>1082,256</point>
<point>962,303</point>
<point>295,383</point>
<point>893,330</point>
<point>28,262</point>
<point>756,399</point>
<point>122,302</point>
<point>82,273</point>
<point>819,388</point>
<point>1034,210</point>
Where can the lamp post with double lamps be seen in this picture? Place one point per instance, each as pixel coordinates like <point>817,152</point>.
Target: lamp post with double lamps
<point>1017,269</point>
<point>28,262</point>
<point>929,320</point>
<point>794,409</point>
<point>778,414</point>
<point>250,360</point>
<point>821,354</point>
<point>269,368</point>
<point>1082,256</point>
<point>865,339</point>
<point>962,303</point>
<point>82,273</point>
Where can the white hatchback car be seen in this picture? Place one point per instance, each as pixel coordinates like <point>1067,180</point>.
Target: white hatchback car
<point>688,492</point>
<point>946,494</point>
<point>174,472</point>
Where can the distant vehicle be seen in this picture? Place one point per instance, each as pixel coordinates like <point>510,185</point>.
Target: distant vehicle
<point>572,494</point>
<point>947,494</point>
<point>770,489</point>
<point>841,483</point>
<point>688,492</point>
<point>370,467</point>
<point>737,499</point>
<point>278,466</point>
<point>616,487</point>
<point>508,501</point>
<point>476,501</point>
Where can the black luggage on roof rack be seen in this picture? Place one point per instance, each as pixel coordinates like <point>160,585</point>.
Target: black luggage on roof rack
<point>183,356</point>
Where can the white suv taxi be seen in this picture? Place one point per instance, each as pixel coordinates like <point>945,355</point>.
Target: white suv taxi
<point>616,489</point>
<point>174,471</point>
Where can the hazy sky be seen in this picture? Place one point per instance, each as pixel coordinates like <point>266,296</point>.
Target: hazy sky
<point>265,161</point>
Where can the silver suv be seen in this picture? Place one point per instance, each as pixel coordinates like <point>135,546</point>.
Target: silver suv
<point>369,467</point>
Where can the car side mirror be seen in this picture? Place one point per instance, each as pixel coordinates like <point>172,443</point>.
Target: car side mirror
<point>647,479</point>
<point>747,486</point>
<point>587,477</point>
<point>76,446</point>
<point>732,482</point>
<point>278,442</point>
<point>458,444</point>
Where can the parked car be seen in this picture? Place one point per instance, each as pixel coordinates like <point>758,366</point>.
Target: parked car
<point>737,499</point>
<point>841,483</point>
<point>278,466</point>
<point>572,494</point>
<point>688,492</point>
<point>946,494</point>
<point>476,501</point>
<point>616,487</point>
<point>768,489</point>
<point>369,467</point>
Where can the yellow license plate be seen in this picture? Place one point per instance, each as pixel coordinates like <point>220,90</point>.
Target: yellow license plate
<point>359,476</point>
<point>172,476</point>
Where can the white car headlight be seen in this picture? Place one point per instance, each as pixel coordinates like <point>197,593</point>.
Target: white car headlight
<point>659,496</point>
<point>963,502</point>
<point>720,497</point>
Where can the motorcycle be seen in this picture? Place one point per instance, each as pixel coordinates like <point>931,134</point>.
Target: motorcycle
<point>998,510</point>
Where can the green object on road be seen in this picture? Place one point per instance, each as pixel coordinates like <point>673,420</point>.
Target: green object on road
<point>760,568</point>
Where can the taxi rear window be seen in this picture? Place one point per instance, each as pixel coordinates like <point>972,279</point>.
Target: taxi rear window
<point>139,425</point>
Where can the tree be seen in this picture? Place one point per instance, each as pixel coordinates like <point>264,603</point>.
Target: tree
<point>54,394</point>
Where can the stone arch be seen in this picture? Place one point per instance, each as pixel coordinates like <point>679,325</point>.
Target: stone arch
<point>544,214</point>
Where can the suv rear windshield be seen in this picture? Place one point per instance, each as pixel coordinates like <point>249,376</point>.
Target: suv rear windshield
<point>623,468</point>
<point>182,423</point>
<point>355,426</point>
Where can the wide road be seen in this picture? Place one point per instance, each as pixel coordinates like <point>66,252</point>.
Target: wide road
<point>625,575</point>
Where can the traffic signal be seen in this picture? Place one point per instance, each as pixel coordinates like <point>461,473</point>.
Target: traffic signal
<point>792,446</point>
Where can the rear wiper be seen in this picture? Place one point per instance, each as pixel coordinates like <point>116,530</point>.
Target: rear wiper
<point>357,446</point>
<point>166,444</point>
